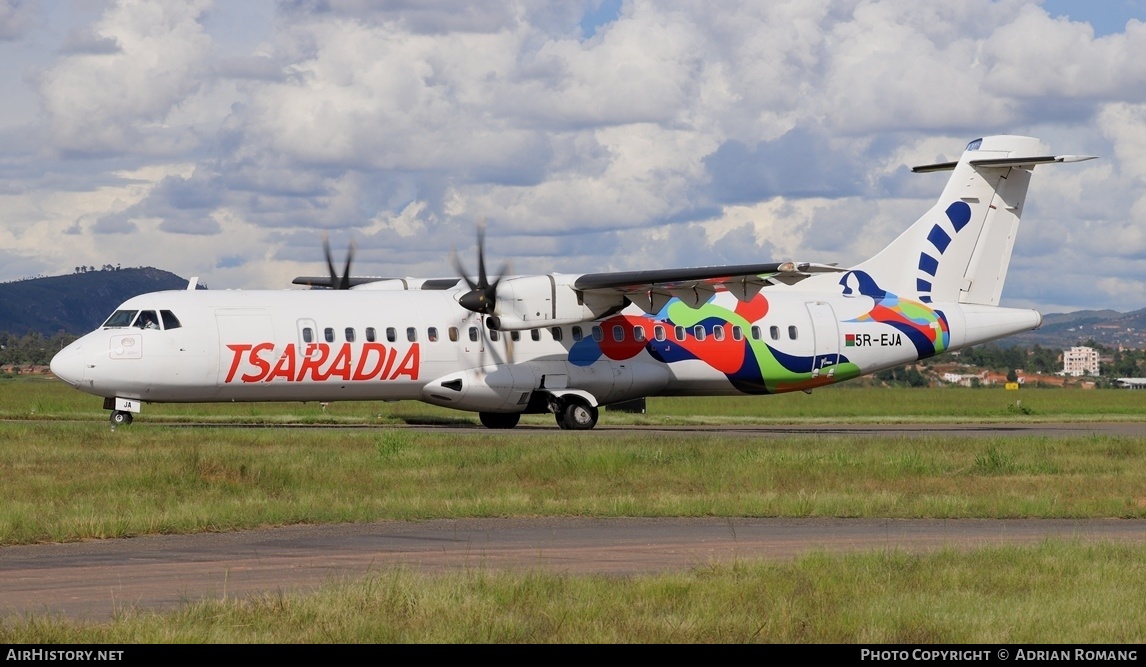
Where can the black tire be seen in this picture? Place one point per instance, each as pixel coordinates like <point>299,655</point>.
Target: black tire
<point>577,415</point>
<point>120,418</point>
<point>499,419</point>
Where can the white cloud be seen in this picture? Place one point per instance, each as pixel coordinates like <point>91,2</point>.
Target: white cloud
<point>17,17</point>
<point>114,101</point>
<point>676,133</point>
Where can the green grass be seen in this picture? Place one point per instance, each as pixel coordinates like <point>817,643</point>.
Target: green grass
<point>68,476</point>
<point>49,399</point>
<point>66,481</point>
<point>1055,592</point>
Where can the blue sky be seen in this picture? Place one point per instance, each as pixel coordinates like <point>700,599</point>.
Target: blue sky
<point>1106,17</point>
<point>224,140</point>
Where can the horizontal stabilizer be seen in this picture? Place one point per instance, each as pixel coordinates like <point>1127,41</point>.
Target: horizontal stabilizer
<point>1005,162</point>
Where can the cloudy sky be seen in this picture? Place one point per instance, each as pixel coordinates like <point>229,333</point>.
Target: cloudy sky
<point>225,139</point>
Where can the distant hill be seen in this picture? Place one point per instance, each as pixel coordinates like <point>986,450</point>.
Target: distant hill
<point>1106,327</point>
<point>78,302</point>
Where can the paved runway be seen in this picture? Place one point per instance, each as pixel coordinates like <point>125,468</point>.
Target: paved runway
<point>91,580</point>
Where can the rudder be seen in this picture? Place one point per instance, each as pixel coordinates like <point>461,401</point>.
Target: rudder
<point>959,251</point>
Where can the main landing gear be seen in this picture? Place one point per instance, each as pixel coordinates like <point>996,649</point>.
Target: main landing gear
<point>575,414</point>
<point>120,418</point>
<point>499,419</point>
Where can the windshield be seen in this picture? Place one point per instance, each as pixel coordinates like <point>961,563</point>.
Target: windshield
<point>120,318</point>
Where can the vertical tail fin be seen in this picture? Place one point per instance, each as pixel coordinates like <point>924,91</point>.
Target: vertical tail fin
<point>959,251</point>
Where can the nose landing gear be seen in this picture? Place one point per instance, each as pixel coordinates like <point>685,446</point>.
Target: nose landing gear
<point>120,418</point>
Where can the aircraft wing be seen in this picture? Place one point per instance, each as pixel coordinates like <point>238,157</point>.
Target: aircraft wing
<point>324,281</point>
<point>651,290</point>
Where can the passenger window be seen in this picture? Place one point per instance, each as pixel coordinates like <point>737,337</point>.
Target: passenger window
<point>391,334</point>
<point>453,334</point>
<point>792,332</point>
<point>349,334</point>
<point>698,332</point>
<point>515,336</point>
<point>120,319</point>
<point>618,333</point>
<point>577,334</point>
<point>169,320</point>
<point>678,333</point>
<point>147,320</point>
<point>307,335</point>
<point>737,333</point>
<point>598,335</point>
<point>755,332</point>
<point>718,332</point>
<point>774,332</point>
<point>639,334</point>
<point>659,333</point>
<point>557,335</point>
<point>535,334</point>
<point>411,334</point>
<point>473,334</point>
<point>370,335</point>
<point>494,335</point>
<point>432,334</point>
<point>328,333</point>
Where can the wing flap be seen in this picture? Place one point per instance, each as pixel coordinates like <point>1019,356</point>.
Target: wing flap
<point>651,290</point>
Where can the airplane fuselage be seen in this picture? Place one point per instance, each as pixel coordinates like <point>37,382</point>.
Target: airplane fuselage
<point>394,345</point>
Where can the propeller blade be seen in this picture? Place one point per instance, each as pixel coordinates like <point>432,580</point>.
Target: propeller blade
<point>461,269</point>
<point>337,282</point>
<point>483,279</point>
<point>329,262</point>
<point>345,283</point>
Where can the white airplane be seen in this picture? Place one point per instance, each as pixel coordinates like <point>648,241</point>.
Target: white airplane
<point>567,344</point>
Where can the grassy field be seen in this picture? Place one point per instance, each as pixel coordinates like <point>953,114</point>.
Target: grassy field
<point>67,475</point>
<point>41,397</point>
<point>66,481</point>
<point>1050,593</point>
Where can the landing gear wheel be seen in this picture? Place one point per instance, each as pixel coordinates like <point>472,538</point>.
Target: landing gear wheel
<point>577,415</point>
<point>499,419</point>
<point>120,418</point>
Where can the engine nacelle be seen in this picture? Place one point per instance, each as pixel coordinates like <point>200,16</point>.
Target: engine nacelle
<point>530,302</point>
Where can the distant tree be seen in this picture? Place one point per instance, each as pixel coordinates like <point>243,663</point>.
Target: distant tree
<point>914,378</point>
<point>1012,376</point>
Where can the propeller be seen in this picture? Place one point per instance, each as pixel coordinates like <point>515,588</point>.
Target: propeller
<point>482,297</point>
<point>482,300</point>
<point>335,281</point>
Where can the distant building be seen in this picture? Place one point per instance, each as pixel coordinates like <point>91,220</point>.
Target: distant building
<point>1080,361</point>
<point>967,380</point>
<point>1133,383</point>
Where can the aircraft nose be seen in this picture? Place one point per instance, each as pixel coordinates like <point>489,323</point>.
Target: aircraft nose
<point>68,364</point>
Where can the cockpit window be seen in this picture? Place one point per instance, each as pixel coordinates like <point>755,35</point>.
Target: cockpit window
<point>169,320</point>
<point>147,320</point>
<point>120,318</point>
